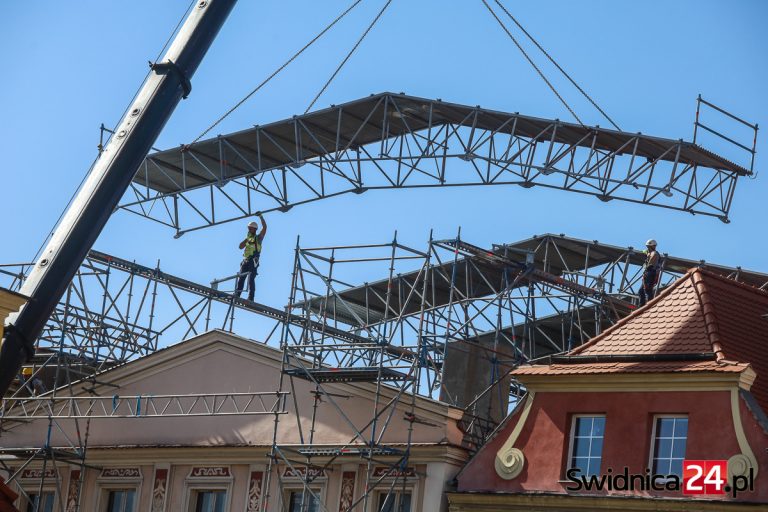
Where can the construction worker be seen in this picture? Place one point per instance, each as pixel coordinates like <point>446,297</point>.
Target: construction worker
<point>34,385</point>
<point>251,251</point>
<point>650,272</point>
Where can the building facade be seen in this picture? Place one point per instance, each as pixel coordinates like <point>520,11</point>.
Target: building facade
<point>664,411</point>
<point>161,462</point>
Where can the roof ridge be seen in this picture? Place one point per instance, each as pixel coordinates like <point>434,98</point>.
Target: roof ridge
<point>708,310</point>
<point>745,286</point>
<point>636,313</point>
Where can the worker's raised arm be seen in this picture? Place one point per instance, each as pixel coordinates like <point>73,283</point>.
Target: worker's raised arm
<point>263,227</point>
<point>242,244</point>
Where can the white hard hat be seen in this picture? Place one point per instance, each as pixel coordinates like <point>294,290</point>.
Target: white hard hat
<point>253,224</point>
<point>651,242</point>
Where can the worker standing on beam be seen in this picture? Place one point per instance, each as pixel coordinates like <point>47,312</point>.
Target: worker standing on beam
<point>251,251</point>
<point>650,272</point>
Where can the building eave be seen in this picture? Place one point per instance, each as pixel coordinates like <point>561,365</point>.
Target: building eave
<point>499,502</point>
<point>628,382</point>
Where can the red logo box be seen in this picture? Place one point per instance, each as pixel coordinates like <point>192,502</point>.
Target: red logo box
<point>705,477</point>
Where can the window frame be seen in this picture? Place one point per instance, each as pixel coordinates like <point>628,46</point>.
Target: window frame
<point>193,485</point>
<point>397,492</point>
<point>572,439</point>
<point>34,492</point>
<point>104,485</point>
<point>107,489</point>
<point>198,491</point>
<point>652,450</point>
<point>291,488</point>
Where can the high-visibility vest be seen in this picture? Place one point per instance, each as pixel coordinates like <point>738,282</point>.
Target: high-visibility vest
<point>648,264</point>
<point>252,246</point>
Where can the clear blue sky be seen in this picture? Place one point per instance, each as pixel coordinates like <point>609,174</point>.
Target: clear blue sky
<point>69,66</point>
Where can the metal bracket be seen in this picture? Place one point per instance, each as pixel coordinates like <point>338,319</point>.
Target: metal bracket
<point>162,68</point>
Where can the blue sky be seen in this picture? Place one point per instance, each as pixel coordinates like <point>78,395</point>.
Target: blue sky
<point>70,66</point>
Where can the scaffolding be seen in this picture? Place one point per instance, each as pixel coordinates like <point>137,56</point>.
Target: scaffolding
<point>388,354</point>
<point>115,311</point>
<point>406,336</point>
<point>451,328</point>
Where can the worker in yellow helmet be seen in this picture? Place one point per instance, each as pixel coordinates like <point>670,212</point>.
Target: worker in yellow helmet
<point>251,252</point>
<point>34,385</point>
<point>650,272</point>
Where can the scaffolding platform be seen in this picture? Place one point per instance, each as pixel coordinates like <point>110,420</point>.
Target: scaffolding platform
<point>358,374</point>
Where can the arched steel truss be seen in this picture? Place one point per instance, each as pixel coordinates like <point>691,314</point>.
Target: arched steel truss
<point>394,141</point>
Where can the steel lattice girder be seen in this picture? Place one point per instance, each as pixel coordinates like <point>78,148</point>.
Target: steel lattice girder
<point>389,141</point>
<point>142,406</point>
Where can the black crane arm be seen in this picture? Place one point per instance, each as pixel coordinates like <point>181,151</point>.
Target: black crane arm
<point>108,180</point>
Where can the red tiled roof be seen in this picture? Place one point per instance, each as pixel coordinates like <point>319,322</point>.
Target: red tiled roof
<point>7,497</point>
<point>702,312</point>
<point>624,367</point>
<point>673,323</point>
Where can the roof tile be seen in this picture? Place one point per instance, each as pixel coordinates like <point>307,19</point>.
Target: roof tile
<point>702,312</point>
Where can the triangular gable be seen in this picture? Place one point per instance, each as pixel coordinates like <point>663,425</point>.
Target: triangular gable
<point>219,362</point>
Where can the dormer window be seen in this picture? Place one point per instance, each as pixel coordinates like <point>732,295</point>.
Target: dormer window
<point>586,452</point>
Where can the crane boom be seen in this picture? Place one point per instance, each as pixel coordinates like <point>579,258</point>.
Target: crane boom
<point>108,180</point>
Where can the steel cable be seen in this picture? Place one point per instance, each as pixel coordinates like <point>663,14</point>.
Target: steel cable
<point>552,60</point>
<point>530,61</point>
<point>277,71</point>
<point>375,20</point>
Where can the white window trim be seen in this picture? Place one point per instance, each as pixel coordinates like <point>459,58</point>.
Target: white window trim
<point>318,488</point>
<point>410,487</point>
<point>103,490</point>
<point>572,438</point>
<point>656,417</point>
<point>106,484</point>
<point>194,485</point>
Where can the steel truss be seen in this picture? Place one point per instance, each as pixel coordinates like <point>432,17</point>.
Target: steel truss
<point>142,406</point>
<point>393,141</point>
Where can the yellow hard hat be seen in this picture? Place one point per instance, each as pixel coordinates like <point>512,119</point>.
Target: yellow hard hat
<point>26,371</point>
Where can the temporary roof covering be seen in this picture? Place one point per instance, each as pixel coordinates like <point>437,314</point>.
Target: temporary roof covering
<point>367,302</point>
<point>373,119</point>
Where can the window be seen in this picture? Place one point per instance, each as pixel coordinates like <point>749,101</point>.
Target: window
<point>301,502</point>
<point>670,434</point>
<point>210,501</point>
<point>587,434</point>
<point>121,500</point>
<point>392,502</point>
<point>40,502</point>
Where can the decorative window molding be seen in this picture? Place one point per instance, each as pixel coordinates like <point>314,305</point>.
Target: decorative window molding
<point>347,490</point>
<point>160,488</point>
<point>255,490</point>
<point>73,491</point>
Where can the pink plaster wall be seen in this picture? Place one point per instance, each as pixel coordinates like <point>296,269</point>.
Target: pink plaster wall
<point>629,416</point>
